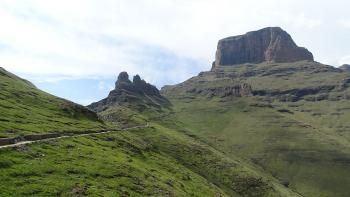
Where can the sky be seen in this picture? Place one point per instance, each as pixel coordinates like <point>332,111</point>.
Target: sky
<point>76,48</point>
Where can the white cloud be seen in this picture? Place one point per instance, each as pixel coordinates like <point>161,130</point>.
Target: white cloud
<point>86,101</point>
<point>344,60</point>
<point>103,86</point>
<point>91,38</point>
<point>304,22</point>
<point>344,23</point>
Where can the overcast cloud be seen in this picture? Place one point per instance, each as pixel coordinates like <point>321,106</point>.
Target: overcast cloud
<point>165,41</point>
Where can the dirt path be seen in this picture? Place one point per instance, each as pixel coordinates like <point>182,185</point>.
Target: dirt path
<point>70,136</point>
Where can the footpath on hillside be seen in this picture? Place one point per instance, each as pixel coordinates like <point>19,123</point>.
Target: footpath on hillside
<point>13,142</point>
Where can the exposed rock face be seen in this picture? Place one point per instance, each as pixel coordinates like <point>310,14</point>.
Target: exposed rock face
<point>234,90</point>
<point>292,95</point>
<point>345,67</point>
<point>269,44</point>
<point>137,92</point>
<point>122,78</point>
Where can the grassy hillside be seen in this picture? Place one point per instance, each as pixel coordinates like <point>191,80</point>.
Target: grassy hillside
<point>293,124</point>
<point>150,162</point>
<point>24,109</point>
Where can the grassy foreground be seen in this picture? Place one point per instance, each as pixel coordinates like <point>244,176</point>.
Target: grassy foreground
<point>149,162</point>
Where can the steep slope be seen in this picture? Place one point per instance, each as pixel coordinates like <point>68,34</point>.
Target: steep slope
<point>24,109</point>
<point>289,118</point>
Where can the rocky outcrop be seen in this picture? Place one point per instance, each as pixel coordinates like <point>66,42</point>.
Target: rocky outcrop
<point>123,77</point>
<point>75,110</point>
<point>345,67</point>
<point>270,44</point>
<point>292,95</point>
<point>136,92</point>
<point>238,90</point>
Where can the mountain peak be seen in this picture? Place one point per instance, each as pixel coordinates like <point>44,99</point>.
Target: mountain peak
<point>271,44</point>
<point>123,77</point>
<point>137,80</point>
<point>126,92</point>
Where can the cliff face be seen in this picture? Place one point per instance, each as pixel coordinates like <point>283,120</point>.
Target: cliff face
<point>270,44</point>
<point>137,92</point>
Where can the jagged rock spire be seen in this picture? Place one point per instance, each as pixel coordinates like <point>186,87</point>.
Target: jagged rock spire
<point>123,77</point>
<point>137,92</point>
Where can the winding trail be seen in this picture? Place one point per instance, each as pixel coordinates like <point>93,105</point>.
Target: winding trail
<point>19,143</point>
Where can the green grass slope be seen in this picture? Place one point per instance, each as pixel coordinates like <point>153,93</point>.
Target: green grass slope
<point>231,174</point>
<point>155,161</point>
<point>24,109</point>
<point>293,124</point>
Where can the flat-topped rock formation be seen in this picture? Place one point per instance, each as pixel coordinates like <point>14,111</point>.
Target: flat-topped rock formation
<point>271,44</point>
